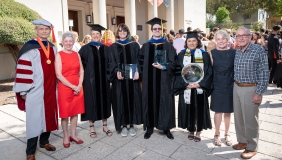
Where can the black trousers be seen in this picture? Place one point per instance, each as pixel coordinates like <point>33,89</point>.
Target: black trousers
<point>32,142</point>
<point>273,63</point>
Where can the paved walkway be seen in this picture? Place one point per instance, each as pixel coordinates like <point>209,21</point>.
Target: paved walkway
<point>13,143</point>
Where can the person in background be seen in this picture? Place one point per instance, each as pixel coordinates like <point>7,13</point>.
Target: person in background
<point>126,91</point>
<point>204,35</point>
<point>273,47</point>
<point>262,31</point>
<point>256,38</point>
<point>76,47</point>
<point>85,40</point>
<point>169,38</point>
<point>263,40</point>
<point>189,29</point>
<point>250,82</point>
<point>69,71</point>
<point>212,43</point>
<point>109,36</point>
<point>164,32</point>
<point>96,86</point>
<point>177,35</point>
<point>215,29</point>
<point>222,58</point>
<point>231,43</point>
<point>172,32</point>
<point>178,43</point>
<point>35,87</point>
<point>135,38</point>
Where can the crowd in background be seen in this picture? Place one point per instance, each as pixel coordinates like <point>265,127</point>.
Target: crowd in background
<point>208,42</point>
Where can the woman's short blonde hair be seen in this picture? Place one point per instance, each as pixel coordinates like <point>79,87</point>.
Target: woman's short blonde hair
<point>223,33</point>
<point>110,35</point>
<point>76,38</point>
<point>85,38</point>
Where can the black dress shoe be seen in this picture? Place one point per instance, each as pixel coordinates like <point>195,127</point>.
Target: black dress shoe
<point>168,135</point>
<point>147,135</point>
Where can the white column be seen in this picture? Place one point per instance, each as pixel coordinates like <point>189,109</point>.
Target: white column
<point>65,15</point>
<point>155,8</point>
<point>152,12</point>
<point>99,12</point>
<point>130,18</point>
<point>170,16</point>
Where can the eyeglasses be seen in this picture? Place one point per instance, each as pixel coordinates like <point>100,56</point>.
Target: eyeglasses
<point>155,29</point>
<point>120,30</point>
<point>244,36</point>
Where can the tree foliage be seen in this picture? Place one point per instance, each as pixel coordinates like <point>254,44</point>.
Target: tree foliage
<point>245,8</point>
<point>212,6</point>
<point>222,15</point>
<point>15,31</point>
<point>12,9</point>
<point>273,7</point>
<point>15,26</point>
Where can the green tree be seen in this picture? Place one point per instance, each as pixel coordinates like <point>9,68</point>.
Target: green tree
<point>15,26</point>
<point>243,7</point>
<point>272,7</point>
<point>212,6</point>
<point>222,15</point>
<point>256,26</point>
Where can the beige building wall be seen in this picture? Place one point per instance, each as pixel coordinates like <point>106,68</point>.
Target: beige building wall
<point>7,64</point>
<point>271,22</point>
<point>190,13</point>
<point>141,19</point>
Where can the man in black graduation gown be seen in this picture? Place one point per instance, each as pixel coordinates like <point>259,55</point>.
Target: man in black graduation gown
<point>94,57</point>
<point>157,98</point>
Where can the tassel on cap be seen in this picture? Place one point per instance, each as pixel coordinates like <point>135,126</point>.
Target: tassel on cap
<point>162,27</point>
<point>105,36</point>
<point>53,36</point>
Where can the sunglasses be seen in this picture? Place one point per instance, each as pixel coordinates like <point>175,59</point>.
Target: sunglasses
<point>155,29</point>
<point>120,30</point>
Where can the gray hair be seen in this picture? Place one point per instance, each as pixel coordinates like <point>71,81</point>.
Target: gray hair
<point>244,28</point>
<point>68,34</point>
<point>223,33</point>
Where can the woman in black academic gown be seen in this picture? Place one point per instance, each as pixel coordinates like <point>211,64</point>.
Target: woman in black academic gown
<point>193,111</point>
<point>126,92</point>
<point>97,96</point>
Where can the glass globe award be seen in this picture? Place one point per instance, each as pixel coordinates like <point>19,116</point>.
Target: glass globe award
<point>192,73</point>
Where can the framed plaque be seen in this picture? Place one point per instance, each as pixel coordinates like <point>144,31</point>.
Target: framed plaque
<point>128,70</point>
<point>160,57</point>
<point>192,73</point>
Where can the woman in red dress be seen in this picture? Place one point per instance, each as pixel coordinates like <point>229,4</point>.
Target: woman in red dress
<point>69,71</point>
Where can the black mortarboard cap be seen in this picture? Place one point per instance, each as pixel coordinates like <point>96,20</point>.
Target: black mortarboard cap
<point>156,21</point>
<point>96,27</point>
<point>193,34</point>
